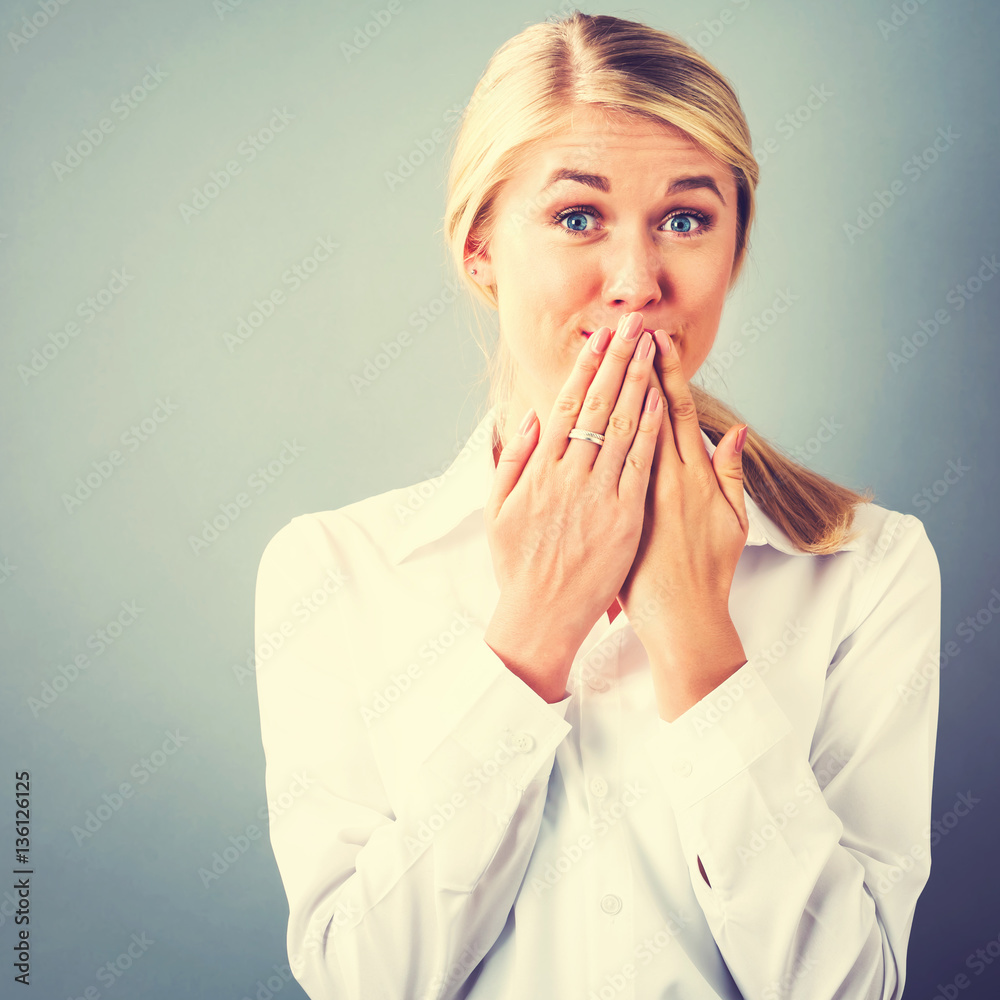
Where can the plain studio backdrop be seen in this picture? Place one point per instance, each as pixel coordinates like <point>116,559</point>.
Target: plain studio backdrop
<point>224,274</point>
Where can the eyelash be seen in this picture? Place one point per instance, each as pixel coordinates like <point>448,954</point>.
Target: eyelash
<point>704,221</point>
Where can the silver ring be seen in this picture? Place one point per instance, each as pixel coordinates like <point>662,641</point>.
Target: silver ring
<point>598,439</point>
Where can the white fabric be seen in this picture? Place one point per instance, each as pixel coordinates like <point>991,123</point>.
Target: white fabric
<point>429,809</point>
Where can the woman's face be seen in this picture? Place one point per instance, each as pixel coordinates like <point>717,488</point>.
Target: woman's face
<point>647,224</point>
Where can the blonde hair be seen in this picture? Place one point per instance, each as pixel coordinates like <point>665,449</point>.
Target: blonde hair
<point>526,95</point>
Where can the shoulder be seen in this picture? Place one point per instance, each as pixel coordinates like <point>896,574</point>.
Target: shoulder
<point>878,532</point>
<point>366,530</point>
<point>891,559</point>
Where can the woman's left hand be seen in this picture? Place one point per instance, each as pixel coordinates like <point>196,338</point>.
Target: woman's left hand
<point>695,527</point>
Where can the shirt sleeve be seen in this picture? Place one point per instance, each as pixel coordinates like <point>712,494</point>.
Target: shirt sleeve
<point>402,898</point>
<point>813,862</point>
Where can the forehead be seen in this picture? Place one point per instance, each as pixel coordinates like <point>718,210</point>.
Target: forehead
<point>606,142</point>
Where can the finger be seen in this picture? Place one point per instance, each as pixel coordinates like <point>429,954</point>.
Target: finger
<point>621,362</point>
<point>588,396</point>
<point>623,422</point>
<point>635,475</point>
<point>566,408</point>
<point>665,437</point>
<point>681,411</point>
<point>727,462</point>
<point>511,463</point>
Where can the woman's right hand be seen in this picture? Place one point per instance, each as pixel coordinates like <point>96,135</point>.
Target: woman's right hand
<point>564,516</point>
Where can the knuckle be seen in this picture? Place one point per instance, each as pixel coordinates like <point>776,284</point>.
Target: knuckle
<point>637,462</point>
<point>636,373</point>
<point>684,408</point>
<point>621,424</point>
<point>596,400</point>
<point>620,350</point>
<point>567,403</point>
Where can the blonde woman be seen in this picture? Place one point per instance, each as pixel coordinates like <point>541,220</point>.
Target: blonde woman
<point>626,704</point>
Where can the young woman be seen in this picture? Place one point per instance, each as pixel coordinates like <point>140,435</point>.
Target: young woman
<point>626,703</point>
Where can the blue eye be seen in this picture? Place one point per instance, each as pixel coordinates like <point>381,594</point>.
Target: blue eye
<point>685,222</point>
<point>575,217</point>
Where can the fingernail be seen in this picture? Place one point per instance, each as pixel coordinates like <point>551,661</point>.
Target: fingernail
<point>645,346</point>
<point>667,346</point>
<point>526,421</point>
<point>740,438</point>
<point>631,326</point>
<point>600,340</point>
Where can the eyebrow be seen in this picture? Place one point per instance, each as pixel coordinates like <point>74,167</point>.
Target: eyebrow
<point>602,183</point>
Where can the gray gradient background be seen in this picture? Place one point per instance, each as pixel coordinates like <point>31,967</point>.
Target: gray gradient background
<point>324,176</point>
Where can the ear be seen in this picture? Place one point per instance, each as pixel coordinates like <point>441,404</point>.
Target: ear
<point>477,257</point>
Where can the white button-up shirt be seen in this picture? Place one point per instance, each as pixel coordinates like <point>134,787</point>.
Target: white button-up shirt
<point>442,831</point>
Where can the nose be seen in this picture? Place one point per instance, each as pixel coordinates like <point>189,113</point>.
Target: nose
<point>634,273</point>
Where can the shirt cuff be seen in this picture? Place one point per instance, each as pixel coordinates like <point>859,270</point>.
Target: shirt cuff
<point>499,725</point>
<point>718,737</point>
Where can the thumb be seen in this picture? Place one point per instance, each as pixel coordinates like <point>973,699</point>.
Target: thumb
<point>511,463</point>
<point>727,461</point>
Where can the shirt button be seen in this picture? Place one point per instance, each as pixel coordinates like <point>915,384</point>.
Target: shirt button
<point>523,742</point>
<point>611,904</point>
<point>599,787</point>
<point>682,767</point>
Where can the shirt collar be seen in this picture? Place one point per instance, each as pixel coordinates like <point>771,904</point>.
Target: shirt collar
<point>440,504</point>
